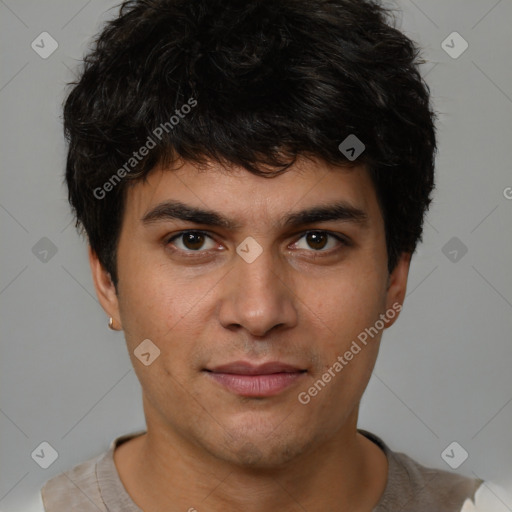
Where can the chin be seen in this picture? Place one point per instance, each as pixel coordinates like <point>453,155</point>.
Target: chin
<point>263,450</point>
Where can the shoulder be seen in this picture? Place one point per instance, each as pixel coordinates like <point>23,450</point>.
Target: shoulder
<point>75,489</point>
<point>90,486</point>
<point>430,488</point>
<point>414,487</point>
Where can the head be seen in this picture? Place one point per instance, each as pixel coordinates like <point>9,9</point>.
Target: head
<point>225,119</point>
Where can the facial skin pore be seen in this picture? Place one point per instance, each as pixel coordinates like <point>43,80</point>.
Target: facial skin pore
<point>302,302</point>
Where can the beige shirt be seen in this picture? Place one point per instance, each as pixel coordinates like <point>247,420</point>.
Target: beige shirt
<point>95,486</point>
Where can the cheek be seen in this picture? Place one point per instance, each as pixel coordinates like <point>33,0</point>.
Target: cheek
<point>347,305</point>
<point>150,296</point>
<point>169,309</point>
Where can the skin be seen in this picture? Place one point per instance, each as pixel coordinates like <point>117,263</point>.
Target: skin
<point>300,303</point>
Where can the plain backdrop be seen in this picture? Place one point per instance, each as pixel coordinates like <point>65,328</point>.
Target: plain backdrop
<point>444,370</point>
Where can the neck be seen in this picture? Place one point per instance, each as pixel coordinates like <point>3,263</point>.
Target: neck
<point>161,470</point>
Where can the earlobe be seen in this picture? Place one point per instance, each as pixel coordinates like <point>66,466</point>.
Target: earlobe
<point>397,287</point>
<point>105,289</point>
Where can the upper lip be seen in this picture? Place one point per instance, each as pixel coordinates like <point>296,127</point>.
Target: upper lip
<point>246,368</point>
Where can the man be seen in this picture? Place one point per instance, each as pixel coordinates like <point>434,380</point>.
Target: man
<point>252,179</point>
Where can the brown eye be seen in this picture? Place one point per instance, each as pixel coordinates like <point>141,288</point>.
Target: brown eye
<point>317,240</point>
<point>321,241</point>
<point>191,241</point>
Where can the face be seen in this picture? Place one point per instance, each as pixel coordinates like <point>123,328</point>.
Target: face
<point>255,303</point>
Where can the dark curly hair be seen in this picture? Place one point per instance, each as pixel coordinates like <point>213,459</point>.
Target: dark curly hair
<point>268,80</point>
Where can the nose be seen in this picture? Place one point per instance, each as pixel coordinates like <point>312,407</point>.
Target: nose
<point>257,297</point>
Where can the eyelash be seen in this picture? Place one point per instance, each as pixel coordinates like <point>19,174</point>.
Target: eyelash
<point>343,241</point>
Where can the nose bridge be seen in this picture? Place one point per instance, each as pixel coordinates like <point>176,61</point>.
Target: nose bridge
<point>258,272</point>
<point>256,298</point>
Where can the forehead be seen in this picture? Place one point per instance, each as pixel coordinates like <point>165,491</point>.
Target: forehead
<point>247,198</point>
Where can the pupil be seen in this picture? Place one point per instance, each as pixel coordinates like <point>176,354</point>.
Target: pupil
<point>189,240</point>
<point>313,240</point>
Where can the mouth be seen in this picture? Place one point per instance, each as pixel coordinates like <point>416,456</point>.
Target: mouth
<point>245,379</point>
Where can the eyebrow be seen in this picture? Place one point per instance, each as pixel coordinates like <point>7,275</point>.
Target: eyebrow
<point>176,210</point>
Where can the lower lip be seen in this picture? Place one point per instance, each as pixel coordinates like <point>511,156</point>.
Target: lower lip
<point>256,385</point>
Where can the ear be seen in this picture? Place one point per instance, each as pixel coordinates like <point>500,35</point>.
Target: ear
<point>105,289</point>
<point>397,286</point>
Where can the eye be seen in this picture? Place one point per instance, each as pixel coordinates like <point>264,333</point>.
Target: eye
<point>319,240</point>
<point>194,241</point>
<point>191,241</point>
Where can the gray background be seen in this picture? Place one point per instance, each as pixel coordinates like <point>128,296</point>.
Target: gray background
<point>444,372</point>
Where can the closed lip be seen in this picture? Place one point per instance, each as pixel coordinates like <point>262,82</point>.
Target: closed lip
<point>247,368</point>
<point>256,380</point>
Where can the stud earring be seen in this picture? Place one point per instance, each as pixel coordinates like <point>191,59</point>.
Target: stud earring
<point>111,324</point>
